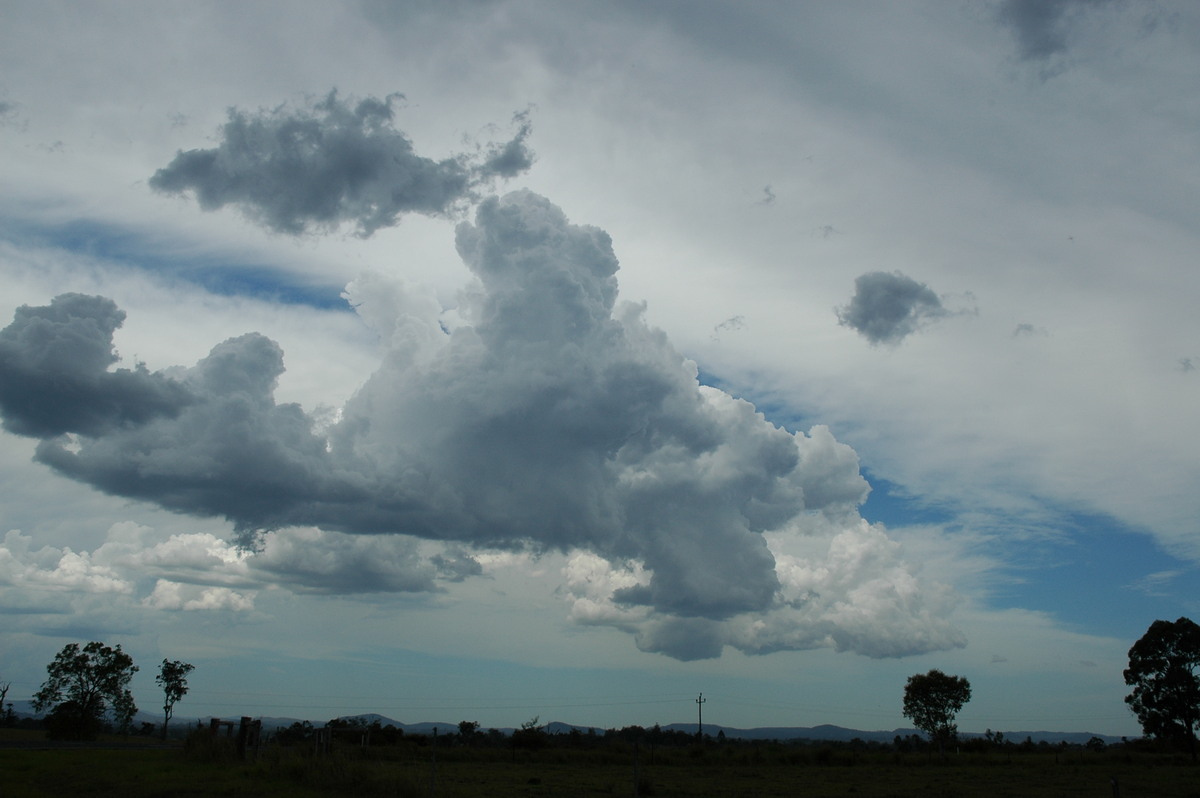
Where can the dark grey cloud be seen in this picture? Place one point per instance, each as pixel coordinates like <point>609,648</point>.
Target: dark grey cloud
<point>1041,26</point>
<point>512,157</point>
<point>889,306</point>
<point>229,451</point>
<point>314,561</point>
<point>296,170</point>
<point>550,417</point>
<point>685,639</point>
<point>55,378</point>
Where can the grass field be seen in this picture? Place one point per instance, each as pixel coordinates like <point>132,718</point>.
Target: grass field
<point>711,772</point>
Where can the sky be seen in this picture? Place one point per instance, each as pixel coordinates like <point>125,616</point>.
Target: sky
<point>489,360</point>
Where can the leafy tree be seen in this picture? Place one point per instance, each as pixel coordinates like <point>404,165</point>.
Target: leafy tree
<point>467,730</point>
<point>172,678</point>
<point>81,685</point>
<point>1163,671</point>
<point>931,700</point>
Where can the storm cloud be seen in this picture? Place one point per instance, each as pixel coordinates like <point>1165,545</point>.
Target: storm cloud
<point>889,306</point>
<point>547,417</point>
<point>298,170</point>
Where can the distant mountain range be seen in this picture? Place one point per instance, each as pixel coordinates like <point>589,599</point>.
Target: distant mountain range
<point>816,733</point>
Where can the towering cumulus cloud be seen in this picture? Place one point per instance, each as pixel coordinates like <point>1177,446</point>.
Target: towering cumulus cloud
<point>551,417</point>
<point>297,170</point>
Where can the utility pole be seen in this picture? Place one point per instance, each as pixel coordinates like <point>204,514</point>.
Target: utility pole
<point>700,701</point>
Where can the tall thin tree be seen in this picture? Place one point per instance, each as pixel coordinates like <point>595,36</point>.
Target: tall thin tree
<point>172,678</point>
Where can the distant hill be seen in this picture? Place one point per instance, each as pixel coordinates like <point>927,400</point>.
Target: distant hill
<point>816,733</point>
<point>841,734</point>
<point>823,732</point>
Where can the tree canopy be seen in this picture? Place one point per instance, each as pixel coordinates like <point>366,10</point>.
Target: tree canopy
<point>931,700</point>
<point>81,685</point>
<point>1164,671</point>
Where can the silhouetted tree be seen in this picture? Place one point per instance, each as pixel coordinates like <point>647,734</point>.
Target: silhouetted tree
<point>530,735</point>
<point>1162,670</point>
<point>81,685</point>
<point>298,732</point>
<point>172,678</point>
<point>467,730</point>
<point>931,700</point>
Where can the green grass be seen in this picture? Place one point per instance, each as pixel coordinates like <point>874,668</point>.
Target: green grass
<point>409,771</point>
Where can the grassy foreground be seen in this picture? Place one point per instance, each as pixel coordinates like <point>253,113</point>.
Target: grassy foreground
<point>711,772</point>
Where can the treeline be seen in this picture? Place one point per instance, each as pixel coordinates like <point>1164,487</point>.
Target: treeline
<point>356,732</point>
<point>469,734</point>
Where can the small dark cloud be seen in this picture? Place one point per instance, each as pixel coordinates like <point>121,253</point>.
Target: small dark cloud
<point>997,659</point>
<point>1041,26</point>
<point>512,157</point>
<point>768,196</point>
<point>456,564</point>
<point>732,324</point>
<point>1026,330</point>
<point>889,306</point>
<point>11,117</point>
<point>298,170</point>
<point>1186,364</point>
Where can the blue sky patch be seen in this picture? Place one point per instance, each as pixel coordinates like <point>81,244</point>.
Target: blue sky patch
<point>134,250</point>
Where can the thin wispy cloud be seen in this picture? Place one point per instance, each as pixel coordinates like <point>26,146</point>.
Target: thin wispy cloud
<point>1027,330</point>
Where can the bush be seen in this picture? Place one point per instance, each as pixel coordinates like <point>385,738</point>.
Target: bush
<point>71,721</point>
